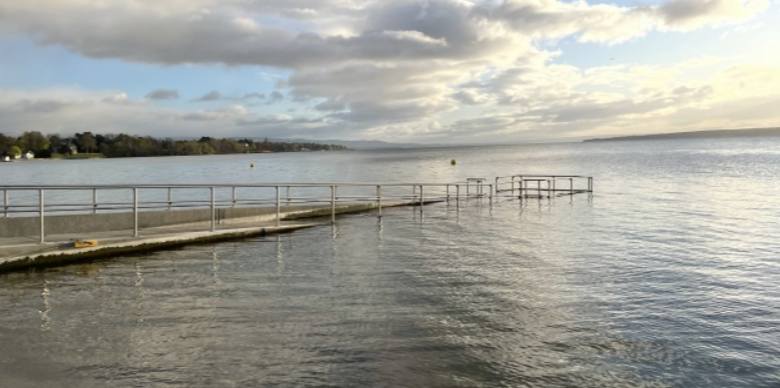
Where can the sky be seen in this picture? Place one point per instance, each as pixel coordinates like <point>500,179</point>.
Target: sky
<point>421,71</point>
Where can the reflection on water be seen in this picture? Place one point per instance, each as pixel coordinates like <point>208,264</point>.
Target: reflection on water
<point>665,278</point>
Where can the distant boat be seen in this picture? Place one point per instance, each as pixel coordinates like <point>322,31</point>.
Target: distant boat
<point>5,158</point>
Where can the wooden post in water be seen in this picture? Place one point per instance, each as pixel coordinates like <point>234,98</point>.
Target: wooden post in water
<point>41,213</point>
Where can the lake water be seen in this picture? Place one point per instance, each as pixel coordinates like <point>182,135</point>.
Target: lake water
<point>666,277</point>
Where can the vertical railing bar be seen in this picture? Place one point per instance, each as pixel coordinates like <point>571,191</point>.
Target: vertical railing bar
<point>94,200</point>
<point>5,201</point>
<point>42,215</point>
<point>422,197</point>
<point>278,208</point>
<point>135,212</point>
<point>234,196</point>
<point>288,195</point>
<point>379,200</point>
<point>457,195</point>
<point>170,197</point>
<point>333,204</point>
<point>213,210</point>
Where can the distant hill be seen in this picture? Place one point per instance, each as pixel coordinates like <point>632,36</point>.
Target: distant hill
<point>698,134</point>
<point>352,144</point>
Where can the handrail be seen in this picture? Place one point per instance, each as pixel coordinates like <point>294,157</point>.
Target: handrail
<point>212,197</point>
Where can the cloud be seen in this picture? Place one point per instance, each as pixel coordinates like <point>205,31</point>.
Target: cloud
<point>162,94</point>
<point>210,96</point>
<point>387,68</point>
<point>250,96</point>
<point>275,97</point>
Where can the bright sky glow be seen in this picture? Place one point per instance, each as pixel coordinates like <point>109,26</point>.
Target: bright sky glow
<point>436,71</point>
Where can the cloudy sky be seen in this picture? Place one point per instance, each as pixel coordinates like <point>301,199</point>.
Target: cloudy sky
<point>436,71</point>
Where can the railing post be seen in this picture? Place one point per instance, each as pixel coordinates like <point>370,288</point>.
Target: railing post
<point>94,200</point>
<point>170,197</point>
<point>5,201</point>
<point>448,193</point>
<point>42,216</point>
<point>333,204</point>
<point>379,200</point>
<point>234,196</point>
<point>213,210</point>
<point>135,212</point>
<point>490,194</point>
<point>457,195</point>
<point>590,184</point>
<point>278,207</point>
<point>571,185</point>
<point>422,198</point>
<point>288,195</point>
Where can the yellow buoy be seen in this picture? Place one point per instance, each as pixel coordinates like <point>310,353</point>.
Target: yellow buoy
<point>252,165</point>
<point>453,162</point>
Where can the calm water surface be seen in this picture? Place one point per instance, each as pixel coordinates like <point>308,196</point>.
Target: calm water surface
<point>666,277</point>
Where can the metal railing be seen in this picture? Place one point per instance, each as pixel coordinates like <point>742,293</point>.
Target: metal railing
<point>43,201</point>
<point>539,186</point>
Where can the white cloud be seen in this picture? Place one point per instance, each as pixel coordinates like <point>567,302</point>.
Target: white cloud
<point>373,67</point>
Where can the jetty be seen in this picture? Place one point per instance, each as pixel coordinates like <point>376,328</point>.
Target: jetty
<point>45,225</point>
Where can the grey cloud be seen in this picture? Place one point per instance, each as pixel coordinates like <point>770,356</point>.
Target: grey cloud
<point>331,104</point>
<point>249,96</point>
<point>210,96</point>
<point>275,97</point>
<point>162,94</point>
<point>469,97</point>
<point>41,106</point>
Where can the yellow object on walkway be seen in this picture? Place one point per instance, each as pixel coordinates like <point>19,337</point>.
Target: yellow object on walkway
<point>84,243</point>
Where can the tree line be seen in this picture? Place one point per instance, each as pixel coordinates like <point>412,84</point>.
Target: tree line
<point>124,145</point>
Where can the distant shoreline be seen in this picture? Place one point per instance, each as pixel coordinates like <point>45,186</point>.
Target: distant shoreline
<point>753,132</point>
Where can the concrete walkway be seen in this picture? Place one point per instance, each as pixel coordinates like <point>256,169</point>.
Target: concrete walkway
<point>23,252</point>
<point>27,251</point>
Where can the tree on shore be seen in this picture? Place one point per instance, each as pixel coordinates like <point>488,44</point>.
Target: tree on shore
<point>124,145</point>
<point>15,152</point>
